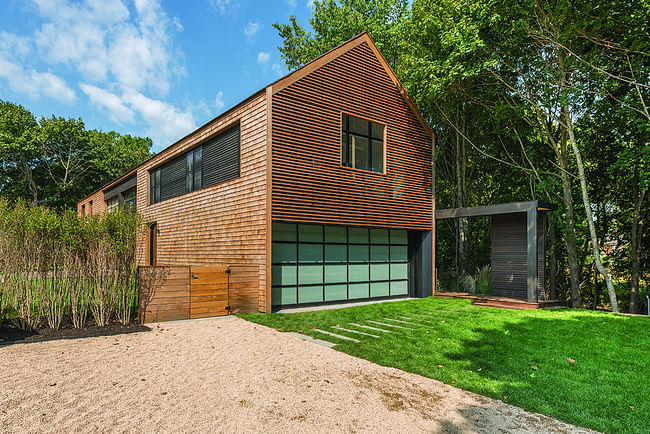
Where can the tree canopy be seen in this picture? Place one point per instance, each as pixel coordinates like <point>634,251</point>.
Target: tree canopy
<point>529,100</point>
<point>57,161</point>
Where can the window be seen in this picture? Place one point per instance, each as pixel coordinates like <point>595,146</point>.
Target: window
<point>112,204</point>
<point>214,162</point>
<point>91,207</point>
<point>83,209</point>
<point>129,197</point>
<point>362,144</point>
<point>193,175</point>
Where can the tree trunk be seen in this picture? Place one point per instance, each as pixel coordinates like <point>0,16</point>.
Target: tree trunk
<point>590,218</point>
<point>635,241</point>
<point>461,173</point>
<point>570,233</point>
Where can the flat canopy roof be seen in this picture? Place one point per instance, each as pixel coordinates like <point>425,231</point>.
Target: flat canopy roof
<point>487,210</point>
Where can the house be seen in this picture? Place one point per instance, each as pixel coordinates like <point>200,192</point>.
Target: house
<point>319,184</point>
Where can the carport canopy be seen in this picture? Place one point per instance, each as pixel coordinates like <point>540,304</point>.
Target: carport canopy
<point>531,209</point>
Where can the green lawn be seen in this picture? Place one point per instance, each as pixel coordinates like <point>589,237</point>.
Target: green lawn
<point>494,352</point>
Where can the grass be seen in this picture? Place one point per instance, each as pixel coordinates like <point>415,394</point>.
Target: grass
<point>590,369</point>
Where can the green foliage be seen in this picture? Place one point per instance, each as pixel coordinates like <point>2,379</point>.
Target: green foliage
<point>578,366</point>
<point>53,264</point>
<point>498,82</point>
<point>56,161</point>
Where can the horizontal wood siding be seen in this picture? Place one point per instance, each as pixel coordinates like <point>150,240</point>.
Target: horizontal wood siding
<point>309,184</point>
<point>220,225</point>
<point>509,256</point>
<point>99,205</point>
<point>243,289</point>
<point>164,293</point>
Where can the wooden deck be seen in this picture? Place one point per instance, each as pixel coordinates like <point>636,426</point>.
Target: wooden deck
<point>501,302</point>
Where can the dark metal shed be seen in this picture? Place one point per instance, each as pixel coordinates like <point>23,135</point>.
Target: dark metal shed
<point>517,259</point>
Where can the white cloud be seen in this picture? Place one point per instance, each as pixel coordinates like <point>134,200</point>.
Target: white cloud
<point>110,102</point>
<point>17,45</point>
<point>263,57</point>
<point>106,44</point>
<point>252,28</point>
<point>167,124</point>
<point>310,4</point>
<point>277,69</point>
<point>34,83</point>
<point>224,6</point>
<point>218,101</point>
<point>292,4</point>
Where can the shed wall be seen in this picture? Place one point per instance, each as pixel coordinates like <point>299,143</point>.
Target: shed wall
<point>509,275</point>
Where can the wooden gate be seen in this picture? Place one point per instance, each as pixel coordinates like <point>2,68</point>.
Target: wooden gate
<point>208,291</point>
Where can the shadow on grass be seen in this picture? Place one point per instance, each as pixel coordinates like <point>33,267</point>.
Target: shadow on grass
<point>588,369</point>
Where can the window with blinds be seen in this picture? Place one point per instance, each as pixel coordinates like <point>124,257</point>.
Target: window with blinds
<point>214,162</point>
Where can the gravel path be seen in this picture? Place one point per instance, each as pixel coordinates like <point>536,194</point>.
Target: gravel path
<point>234,376</point>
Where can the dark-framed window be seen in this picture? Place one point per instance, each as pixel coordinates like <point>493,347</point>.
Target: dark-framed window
<point>214,162</point>
<point>362,144</point>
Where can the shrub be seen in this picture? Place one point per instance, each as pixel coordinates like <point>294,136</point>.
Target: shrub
<point>52,264</point>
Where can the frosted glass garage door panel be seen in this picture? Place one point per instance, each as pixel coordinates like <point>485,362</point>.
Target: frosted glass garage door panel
<point>284,275</point>
<point>359,290</point>
<point>310,274</point>
<point>310,294</point>
<point>399,271</point>
<point>336,292</point>
<point>284,253</point>
<point>283,296</point>
<point>336,273</point>
<point>379,289</point>
<point>283,232</point>
<point>399,288</point>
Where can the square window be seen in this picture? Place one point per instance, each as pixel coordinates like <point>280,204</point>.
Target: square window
<point>362,144</point>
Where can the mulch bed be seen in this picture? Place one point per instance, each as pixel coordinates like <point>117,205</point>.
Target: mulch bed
<point>11,334</point>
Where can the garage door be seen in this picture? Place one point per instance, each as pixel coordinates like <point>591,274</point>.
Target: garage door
<point>321,263</point>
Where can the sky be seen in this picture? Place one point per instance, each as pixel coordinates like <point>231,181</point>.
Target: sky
<point>156,68</point>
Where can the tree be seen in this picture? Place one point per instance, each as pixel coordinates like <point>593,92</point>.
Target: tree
<point>56,161</point>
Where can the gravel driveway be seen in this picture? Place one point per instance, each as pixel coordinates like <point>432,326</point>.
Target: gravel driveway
<point>234,376</point>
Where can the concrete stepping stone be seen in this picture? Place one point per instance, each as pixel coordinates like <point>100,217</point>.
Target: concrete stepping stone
<point>407,322</point>
<point>389,325</point>
<point>370,328</point>
<point>354,331</point>
<point>313,340</point>
<point>345,338</point>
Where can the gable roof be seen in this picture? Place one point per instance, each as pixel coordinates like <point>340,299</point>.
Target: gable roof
<point>283,82</point>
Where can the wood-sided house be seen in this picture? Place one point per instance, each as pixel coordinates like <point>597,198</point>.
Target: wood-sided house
<point>319,187</point>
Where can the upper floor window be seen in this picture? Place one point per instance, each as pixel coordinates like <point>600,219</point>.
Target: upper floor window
<point>112,204</point>
<point>362,144</point>
<point>211,163</point>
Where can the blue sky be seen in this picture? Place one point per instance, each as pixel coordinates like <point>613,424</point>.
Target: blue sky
<point>157,68</point>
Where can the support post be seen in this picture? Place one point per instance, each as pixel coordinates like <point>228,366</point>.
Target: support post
<point>531,228</point>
